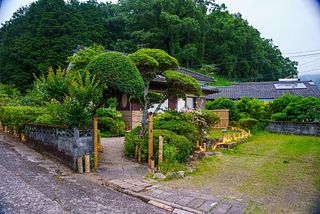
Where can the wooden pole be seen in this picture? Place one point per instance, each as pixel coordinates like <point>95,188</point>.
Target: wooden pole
<point>79,163</point>
<point>87,163</point>
<point>139,154</point>
<point>95,142</point>
<point>160,149</point>
<point>160,158</point>
<point>150,137</point>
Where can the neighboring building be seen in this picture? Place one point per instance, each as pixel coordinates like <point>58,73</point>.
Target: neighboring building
<point>132,113</point>
<point>268,90</point>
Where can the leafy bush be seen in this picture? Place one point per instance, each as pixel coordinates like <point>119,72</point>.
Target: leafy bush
<point>280,116</point>
<point>176,148</point>
<point>210,117</point>
<point>224,103</point>
<point>248,123</point>
<point>19,116</point>
<point>193,125</point>
<point>111,127</point>
<point>280,103</point>
<point>179,127</point>
<point>110,122</point>
<point>304,109</point>
<point>7,93</point>
<point>253,108</point>
<point>131,141</point>
<point>108,112</point>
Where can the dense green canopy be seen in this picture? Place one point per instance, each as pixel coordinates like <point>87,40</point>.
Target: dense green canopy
<point>118,72</point>
<point>196,32</point>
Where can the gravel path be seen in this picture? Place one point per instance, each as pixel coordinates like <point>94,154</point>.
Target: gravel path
<point>32,183</point>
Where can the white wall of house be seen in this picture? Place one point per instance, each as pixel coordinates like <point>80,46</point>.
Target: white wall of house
<point>181,104</point>
<point>190,103</point>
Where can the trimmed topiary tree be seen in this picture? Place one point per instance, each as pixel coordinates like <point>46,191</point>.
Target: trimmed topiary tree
<point>153,62</point>
<point>117,72</point>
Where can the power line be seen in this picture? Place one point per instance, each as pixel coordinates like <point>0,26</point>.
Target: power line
<point>311,70</point>
<point>314,60</point>
<point>298,52</point>
<point>303,55</point>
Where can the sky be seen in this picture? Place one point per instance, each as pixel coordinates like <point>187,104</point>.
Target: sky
<point>293,25</point>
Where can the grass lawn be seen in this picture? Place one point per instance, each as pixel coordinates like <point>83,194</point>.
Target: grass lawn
<point>274,173</point>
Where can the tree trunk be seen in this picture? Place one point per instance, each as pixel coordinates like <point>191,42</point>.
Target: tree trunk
<point>159,105</point>
<point>145,110</point>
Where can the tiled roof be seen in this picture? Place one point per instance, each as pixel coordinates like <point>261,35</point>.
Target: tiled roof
<point>197,76</point>
<point>264,90</point>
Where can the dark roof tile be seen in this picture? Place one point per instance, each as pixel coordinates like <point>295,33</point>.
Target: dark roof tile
<point>263,90</point>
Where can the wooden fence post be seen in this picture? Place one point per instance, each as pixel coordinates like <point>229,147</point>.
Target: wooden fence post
<point>87,163</point>
<point>95,141</point>
<point>79,163</point>
<point>150,139</point>
<point>160,158</point>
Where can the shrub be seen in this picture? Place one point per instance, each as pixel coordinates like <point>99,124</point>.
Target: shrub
<point>111,127</point>
<point>176,148</point>
<point>19,116</point>
<point>280,103</point>
<point>224,103</point>
<point>210,117</point>
<point>254,108</point>
<point>193,125</point>
<point>131,141</point>
<point>183,146</point>
<point>248,123</point>
<point>279,116</point>
<point>110,122</point>
<point>107,112</point>
<point>179,127</point>
<point>7,93</point>
<point>304,110</point>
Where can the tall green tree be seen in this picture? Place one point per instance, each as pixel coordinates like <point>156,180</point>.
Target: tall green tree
<point>196,32</point>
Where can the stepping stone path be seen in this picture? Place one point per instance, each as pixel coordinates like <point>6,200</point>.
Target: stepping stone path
<point>176,201</point>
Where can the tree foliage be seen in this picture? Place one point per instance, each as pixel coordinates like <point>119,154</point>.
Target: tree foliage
<point>178,84</point>
<point>118,72</point>
<point>46,32</point>
<point>71,97</point>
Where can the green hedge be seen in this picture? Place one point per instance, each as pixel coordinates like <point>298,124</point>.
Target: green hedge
<point>176,148</point>
<point>20,116</point>
<point>110,122</point>
<point>248,123</point>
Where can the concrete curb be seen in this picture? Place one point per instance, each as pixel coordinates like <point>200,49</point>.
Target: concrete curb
<point>168,206</point>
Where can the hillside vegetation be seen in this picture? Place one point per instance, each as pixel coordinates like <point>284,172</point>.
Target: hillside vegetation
<point>196,32</point>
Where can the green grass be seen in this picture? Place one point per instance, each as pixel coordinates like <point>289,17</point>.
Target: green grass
<point>220,80</point>
<point>217,133</point>
<point>279,173</point>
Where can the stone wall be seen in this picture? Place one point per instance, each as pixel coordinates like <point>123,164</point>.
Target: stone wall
<point>63,143</point>
<point>295,128</point>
